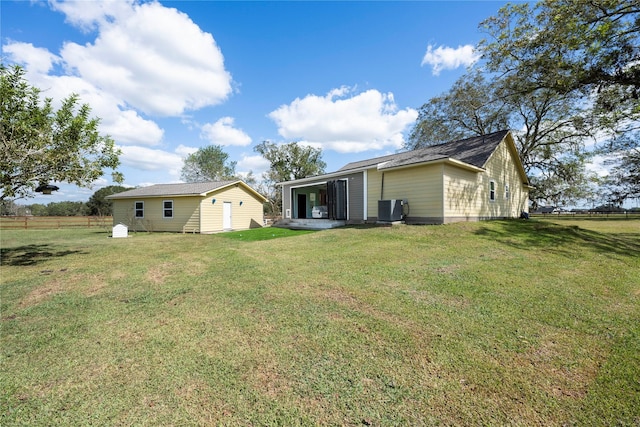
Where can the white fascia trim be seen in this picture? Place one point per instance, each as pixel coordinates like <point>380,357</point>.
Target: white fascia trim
<point>323,178</point>
<point>313,184</point>
<point>448,160</point>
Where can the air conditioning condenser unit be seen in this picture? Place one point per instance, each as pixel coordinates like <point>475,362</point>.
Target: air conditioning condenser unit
<point>390,210</point>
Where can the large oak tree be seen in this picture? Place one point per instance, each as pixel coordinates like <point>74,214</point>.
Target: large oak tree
<point>569,47</point>
<point>41,145</point>
<point>563,74</point>
<point>549,130</point>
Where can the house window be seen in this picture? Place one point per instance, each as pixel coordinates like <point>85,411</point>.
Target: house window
<point>492,191</point>
<point>167,209</point>
<point>506,191</point>
<point>139,209</point>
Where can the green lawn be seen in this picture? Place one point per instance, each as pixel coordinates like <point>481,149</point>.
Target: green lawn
<point>493,323</point>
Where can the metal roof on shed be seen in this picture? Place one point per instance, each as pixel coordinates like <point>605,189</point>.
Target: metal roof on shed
<point>179,189</point>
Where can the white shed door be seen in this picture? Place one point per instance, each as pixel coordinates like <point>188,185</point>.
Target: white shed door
<point>226,215</point>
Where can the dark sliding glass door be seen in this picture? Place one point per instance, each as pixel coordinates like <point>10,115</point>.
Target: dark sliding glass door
<point>337,199</point>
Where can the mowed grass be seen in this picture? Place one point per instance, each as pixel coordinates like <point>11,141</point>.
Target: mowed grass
<point>493,323</point>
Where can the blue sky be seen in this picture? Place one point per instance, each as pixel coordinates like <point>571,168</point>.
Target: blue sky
<point>169,77</point>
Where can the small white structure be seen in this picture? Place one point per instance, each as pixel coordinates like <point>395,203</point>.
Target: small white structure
<point>120,230</point>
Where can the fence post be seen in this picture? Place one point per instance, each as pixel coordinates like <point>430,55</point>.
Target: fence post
<point>26,218</point>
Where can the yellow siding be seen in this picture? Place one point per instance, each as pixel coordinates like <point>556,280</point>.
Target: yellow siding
<point>187,209</point>
<point>120,212</point>
<point>247,215</point>
<point>467,193</point>
<point>185,214</point>
<point>420,185</point>
<point>463,194</point>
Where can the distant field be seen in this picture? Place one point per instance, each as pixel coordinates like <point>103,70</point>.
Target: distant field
<point>604,216</point>
<point>49,222</point>
<point>491,323</point>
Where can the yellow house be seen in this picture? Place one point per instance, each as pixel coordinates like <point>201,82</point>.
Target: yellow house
<point>199,207</point>
<point>472,179</point>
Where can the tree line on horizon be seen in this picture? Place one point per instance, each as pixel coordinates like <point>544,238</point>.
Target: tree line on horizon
<point>97,205</point>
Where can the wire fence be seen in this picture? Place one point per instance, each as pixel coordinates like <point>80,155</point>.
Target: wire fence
<point>53,222</point>
<point>588,215</point>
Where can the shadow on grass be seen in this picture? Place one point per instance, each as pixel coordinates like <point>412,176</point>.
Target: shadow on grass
<point>30,255</point>
<point>564,239</point>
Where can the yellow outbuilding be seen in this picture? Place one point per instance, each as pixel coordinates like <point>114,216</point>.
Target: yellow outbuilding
<point>198,207</point>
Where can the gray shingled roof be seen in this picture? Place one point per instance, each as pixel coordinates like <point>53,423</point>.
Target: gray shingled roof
<point>474,151</point>
<point>182,189</point>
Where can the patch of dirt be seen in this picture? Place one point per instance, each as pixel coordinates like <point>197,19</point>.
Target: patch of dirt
<point>267,379</point>
<point>191,390</point>
<point>64,281</point>
<point>341,297</point>
<point>117,275</point>
<point>159,273</point>
<point>96,286</point>
<point>42,293</point>
<point>132,337</point>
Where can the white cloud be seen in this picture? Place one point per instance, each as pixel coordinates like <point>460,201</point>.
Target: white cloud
<point>38,60</point>
<point>365,121</point>
<point>89,15</point>
<point>448,58</point>
<point>184,151</point>
<point>146,57</point>
<point>224,133</point>
<point>152,57</point>
<point>124,125</point>
<point>128,127</point>
<point>598,166</point>
<point>148,159</point>
<point>143,58</point>
<point>255,163</point>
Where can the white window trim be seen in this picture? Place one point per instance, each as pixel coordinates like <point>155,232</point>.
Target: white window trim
<point>135,209</point>
<point>492,193</point>
<point>165,209</point>
<point>507,193</point>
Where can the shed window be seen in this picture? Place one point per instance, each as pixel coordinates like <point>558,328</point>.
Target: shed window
<point>167,209</point>
<point>506,191</point>
<point>492,191</point>
<point>139,208</point>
